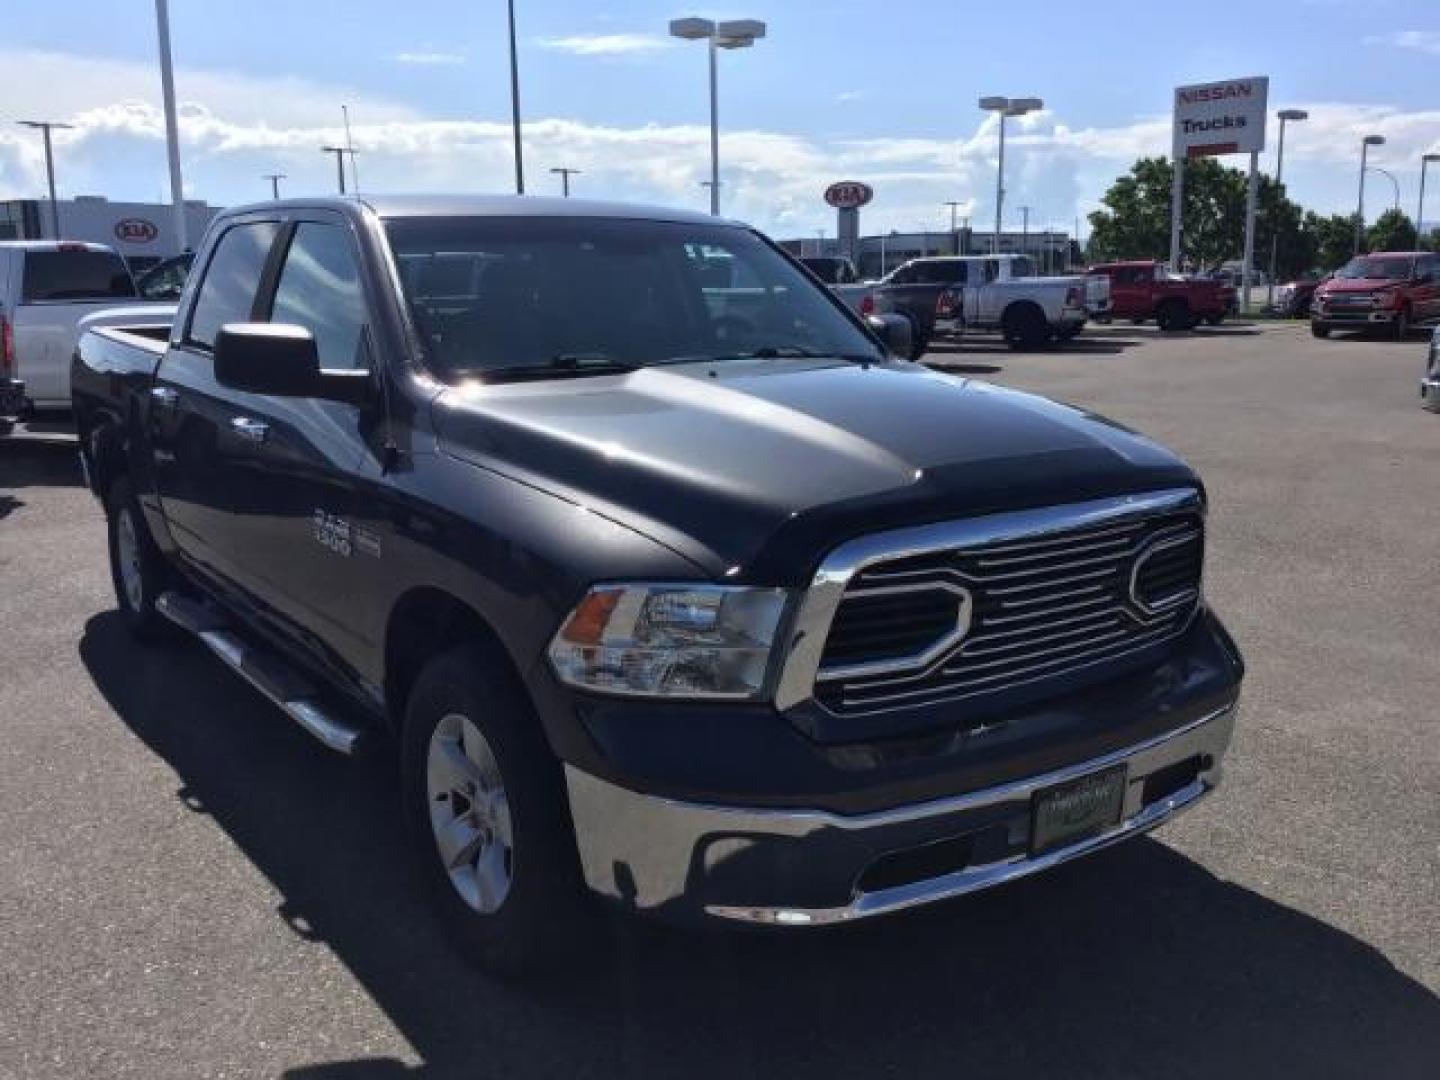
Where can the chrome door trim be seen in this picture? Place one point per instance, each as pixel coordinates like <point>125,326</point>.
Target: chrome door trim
<point>811,628</point>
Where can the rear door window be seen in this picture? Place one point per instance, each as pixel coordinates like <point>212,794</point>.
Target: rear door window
<point>227,294</point>
<point>52,276</point>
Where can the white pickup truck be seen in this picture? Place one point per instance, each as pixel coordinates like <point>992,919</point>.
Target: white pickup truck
<point>47,288</point>
<point>952,294</point>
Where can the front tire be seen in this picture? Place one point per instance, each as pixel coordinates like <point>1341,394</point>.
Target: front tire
<point>1319,329</point>
<point>1402,324</point>
<point>137,569</point>
<point>486,814</point>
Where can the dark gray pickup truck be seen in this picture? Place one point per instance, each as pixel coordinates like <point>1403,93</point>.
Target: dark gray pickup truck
<point>665,581</point>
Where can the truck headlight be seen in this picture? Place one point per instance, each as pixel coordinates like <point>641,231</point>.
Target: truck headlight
<point>670,640</point>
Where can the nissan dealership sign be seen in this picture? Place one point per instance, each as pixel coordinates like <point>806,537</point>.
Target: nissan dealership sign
<point>1226,117</point>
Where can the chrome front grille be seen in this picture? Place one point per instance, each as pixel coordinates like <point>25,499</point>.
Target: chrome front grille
<point>982,617</point>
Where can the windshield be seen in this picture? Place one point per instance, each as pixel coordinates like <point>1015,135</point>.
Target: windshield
<point>493,293</point>
<point>76,275</point>
<point>1376,268</point>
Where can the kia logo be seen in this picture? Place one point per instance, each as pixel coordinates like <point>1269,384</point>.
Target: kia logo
<point>848,194</point>
<point>134,230</point>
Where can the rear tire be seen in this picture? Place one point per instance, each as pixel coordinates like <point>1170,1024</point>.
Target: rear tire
<point>1214,320</point>
<point>919,343</point>
<point>1173,316</point>
<point>1024,327</point>
<point>481,785</point>
<point>137,569</point>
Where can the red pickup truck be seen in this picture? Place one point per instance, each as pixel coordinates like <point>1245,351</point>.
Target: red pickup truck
<point>1142,290</point>
<point>1391,290</point>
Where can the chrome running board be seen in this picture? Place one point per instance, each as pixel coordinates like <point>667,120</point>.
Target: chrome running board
<point>265,671</point>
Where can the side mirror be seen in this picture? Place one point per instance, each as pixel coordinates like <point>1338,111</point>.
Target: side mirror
<point>280,360</point>
<point>894,332</point>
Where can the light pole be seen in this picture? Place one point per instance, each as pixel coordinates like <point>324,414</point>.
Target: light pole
<point>1024,230</point>
<point>339,152</point>
<point>46,126</point>
<point>954,230</point>
<point>172,123</point>
<point>1425,159</point>
<point>1006,107</point>
<point>734,34</point>
<point>1285,116</point>
<point>565,175</point>
<point>1365,144</point>
<point>274,178</point>
<point>515,105</point>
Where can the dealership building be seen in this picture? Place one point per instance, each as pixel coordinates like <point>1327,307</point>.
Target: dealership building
<point>876,256</point>
<point>142,232</point>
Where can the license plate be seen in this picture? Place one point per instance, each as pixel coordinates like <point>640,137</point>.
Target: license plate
<point>1071,811</point>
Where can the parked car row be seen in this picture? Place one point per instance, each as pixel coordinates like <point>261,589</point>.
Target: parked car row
<point>951,295</point>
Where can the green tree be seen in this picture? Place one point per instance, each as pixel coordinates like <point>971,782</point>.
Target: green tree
<point>1135,223</point>
<point>1392,231</point>
<point>1332,239</point>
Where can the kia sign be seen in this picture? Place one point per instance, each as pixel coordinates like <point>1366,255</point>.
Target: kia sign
<point>848,195</point>
<point>1226,117</point>
<point>134,230</point>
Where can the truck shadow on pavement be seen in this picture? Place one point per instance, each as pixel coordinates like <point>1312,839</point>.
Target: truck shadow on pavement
<point>1137,962</point>
<point>48,462</point>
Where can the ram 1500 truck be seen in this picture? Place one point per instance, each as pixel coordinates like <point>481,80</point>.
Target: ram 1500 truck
<point>718,613</point>
<point>1146,289</point>
<point>949,294</point>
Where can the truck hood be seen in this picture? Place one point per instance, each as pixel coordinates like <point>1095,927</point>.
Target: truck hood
<point>1359,285</point>
<point>756,468</point>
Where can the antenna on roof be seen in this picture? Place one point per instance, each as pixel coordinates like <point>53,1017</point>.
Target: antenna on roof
<point>350,150</point>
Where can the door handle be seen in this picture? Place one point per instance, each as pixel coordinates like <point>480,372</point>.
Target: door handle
<point>254,430</point>
<point>164,396</point>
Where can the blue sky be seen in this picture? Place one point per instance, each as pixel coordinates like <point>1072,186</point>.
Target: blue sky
<point>838,90</point>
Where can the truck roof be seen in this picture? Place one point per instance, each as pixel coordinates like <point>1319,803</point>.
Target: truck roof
<point>401,206</point>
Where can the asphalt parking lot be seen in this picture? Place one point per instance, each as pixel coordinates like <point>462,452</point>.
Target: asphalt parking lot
<point>191,887</point>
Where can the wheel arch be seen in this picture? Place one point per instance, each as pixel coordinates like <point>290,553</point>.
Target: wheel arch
<point>424,622</point>
<point>1022,308</point>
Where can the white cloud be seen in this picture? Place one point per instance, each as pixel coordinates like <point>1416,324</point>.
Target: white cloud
<point>234,128</point>
<point>1425,41</point>
<point>430,59</point>
<point>851,95</point>
<point>605,44</point>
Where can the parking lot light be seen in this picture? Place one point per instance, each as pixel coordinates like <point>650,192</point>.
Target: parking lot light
<point>1425,160</point>
<point>731,34</point>
<point>1005,107</point>
<point>46,126</point>
<point>1365,144</point>
<point>1285,115</point>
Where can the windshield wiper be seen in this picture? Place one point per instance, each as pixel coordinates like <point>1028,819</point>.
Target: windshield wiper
<point>561,364</point>
<point>778,352</point>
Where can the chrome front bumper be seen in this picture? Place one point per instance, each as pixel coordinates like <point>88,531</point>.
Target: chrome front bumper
<point>805,868</point>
